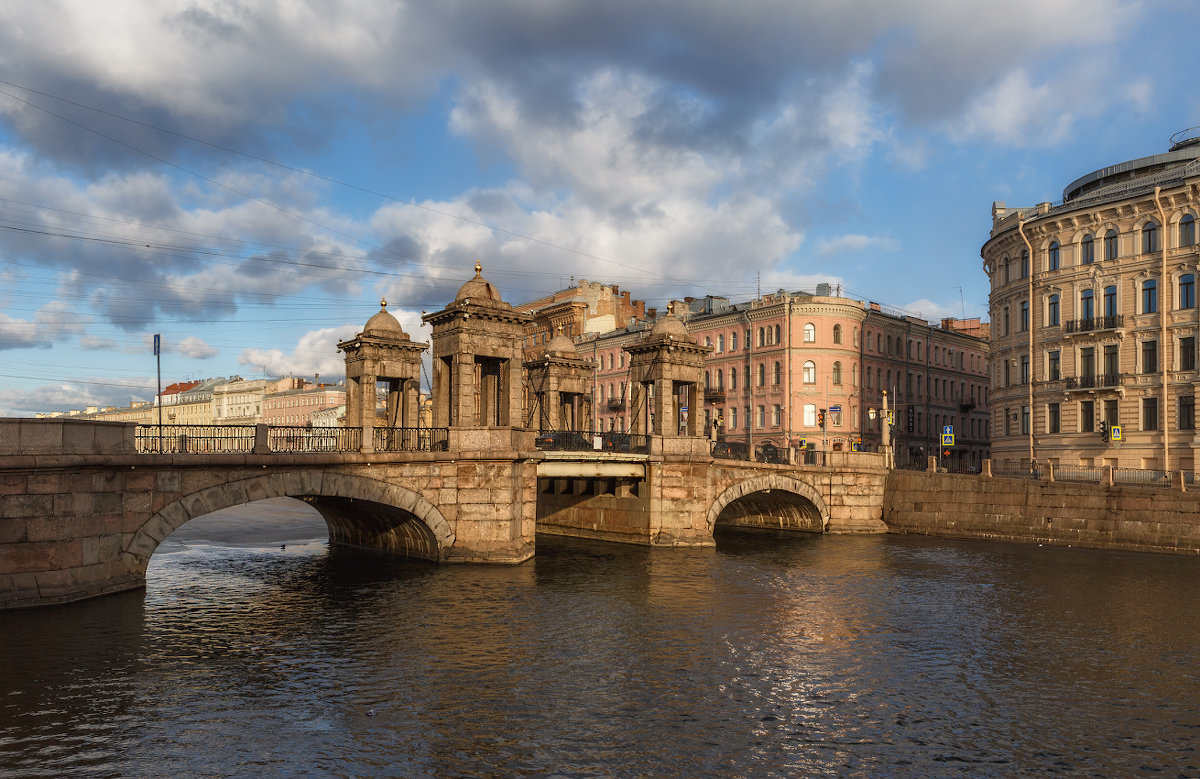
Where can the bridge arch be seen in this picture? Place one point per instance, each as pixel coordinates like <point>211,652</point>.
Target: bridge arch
<point>774,501</point>
<point>359,512</point>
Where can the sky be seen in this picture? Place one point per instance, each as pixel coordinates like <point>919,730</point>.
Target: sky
<point>250,179</point>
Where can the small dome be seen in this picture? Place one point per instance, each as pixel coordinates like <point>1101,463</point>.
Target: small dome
<point>478,290</point>
<point>560,344</point>
<point>670,325</point>
<point>384,323</point>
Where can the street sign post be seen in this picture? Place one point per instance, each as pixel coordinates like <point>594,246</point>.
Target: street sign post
<point>947,439</point>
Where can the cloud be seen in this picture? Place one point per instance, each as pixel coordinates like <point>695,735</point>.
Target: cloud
<point>196,349</point>
<point>315,352</point>
<point>52,322</point>
<point>99,392</point>
<point>855,243</point>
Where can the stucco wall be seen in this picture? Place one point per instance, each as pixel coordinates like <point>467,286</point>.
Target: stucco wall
<point>1026,510</point>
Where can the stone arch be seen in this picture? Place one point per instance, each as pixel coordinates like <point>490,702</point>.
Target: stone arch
<point>770,483</point>
<point>337,488</point>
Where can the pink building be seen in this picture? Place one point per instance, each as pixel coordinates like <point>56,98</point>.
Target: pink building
<point>295,407</point>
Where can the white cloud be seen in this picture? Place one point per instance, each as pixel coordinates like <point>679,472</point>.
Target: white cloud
<point>855,243</point>
<point>315,352</point>
<point>195,348</point>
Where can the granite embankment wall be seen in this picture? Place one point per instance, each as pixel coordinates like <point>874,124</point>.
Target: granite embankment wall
<point>1028,510</point>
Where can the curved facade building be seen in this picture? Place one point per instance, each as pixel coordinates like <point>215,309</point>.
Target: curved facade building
<point>1094,318</point>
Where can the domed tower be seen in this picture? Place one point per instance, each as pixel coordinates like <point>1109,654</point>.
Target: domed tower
<point>561,386</point>
<point>666,368</point>
<point>477,365</point>
<point>382,352</point>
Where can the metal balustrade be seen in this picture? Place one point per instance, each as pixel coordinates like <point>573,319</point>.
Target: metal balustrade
<point>194,439</point>
<point>411,439</point>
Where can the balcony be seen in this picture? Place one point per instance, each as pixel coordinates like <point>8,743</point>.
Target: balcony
<point>616,404</point>
<point>1095,323</point>
<point>712,395</point>
<point>1102,381</point>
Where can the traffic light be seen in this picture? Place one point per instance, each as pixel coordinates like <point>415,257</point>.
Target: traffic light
<point>1104,430</point>
<point>821,417</point>
<point>945,453</point>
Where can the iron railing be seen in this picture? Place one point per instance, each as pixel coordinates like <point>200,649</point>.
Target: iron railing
<point>1099,381</point>
<point>313,439</point>
<point>411,439</point>
<point>582,441</point>
<point>1088,474</point>
<point>1150,478</point>
<point>1091,324</point>
<point>193,439</point>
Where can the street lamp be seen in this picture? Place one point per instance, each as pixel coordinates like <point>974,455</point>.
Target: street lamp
<point>885,429</point>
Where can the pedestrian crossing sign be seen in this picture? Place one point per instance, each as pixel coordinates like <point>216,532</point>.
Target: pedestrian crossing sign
<point>947,439</point>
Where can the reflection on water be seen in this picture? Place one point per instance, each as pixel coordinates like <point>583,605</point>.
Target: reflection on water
<point>255,650</point>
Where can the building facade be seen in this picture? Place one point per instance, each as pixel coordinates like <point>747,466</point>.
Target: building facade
<point>1094,318</point>
<point>588,307</point>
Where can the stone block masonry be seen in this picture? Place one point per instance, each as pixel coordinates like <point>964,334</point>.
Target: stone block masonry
<point>1033,511</point>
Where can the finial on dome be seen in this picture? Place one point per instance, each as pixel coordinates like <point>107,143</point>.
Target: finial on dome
<point>383,303</point>
<point>478,268</point>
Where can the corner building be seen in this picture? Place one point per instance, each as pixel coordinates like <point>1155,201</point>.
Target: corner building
<point>1094,318</point>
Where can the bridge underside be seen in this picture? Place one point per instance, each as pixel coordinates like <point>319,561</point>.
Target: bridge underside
<point>365,524</point>
<point>770,510</point>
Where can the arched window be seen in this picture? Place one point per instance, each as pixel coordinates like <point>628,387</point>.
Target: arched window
<point>1087,250</point>
<point>866,376</point>
<point>1087,307</point>
<point>762,337</point>
<point>1110,245</point>
<point>721,380</point>
<point>1150,237</point>
<point>810,372</point>
<point>1052,256</point>
<point>1006,263</point>
<point>1110,301</point>
<point>879,343</point>
<point>1149,296</point>
<point>1187,291</point>
<point>777,339</point>
<point>733,342</point>
<point>776,375</point>
<point>810,332</point>
<point>837,373</point>
<point>762,374</point>
<point>720,343</point>
<point>733,378</point>
<point>837,334</point>
<point>1187,230</point>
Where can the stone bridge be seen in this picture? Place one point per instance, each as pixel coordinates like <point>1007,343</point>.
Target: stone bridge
<point>82,509</point>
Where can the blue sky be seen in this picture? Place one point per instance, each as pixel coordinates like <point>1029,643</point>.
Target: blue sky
<point>248,179</point>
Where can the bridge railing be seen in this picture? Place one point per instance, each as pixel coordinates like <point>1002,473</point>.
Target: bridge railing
<point>314,439</point>
<point>411,439</point>
<point>194,439</point>
<point>581,441</point>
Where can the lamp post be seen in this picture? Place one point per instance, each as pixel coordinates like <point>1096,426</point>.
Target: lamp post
<point>885,430</point>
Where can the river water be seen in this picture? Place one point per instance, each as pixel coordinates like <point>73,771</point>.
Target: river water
<point>256,651</point>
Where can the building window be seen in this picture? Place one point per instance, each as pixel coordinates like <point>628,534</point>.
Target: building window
<point>1187,353</point>
<point>733,342</point>
<point>762,337</point>
<point>1052,311</point>
<point>1024,420</point>
<point>837,334</point>
<point>1006,320</point>
<point>1110,245</point>
<point>1054,366</point>
<point>837,373</point>
<point>733,378</point>
<point>810,415</point>
<point>1006,263</point>
<point>1149,413</point>
<point>1112,365</point>
<point>1024,370</point>
<point>733,417</point>
<point>762,374</point>
<point>1149,356</point>
<point>762,417</point>
<point>1087,416</point>
<point>810,372</point>
<point>775,415</point>
<point>1186,419</point>
<point>776,374</point>
<point>1024,315</point>
<point>746,382</point>
<point>1187,291</point>
<point>1087,362</point>
<point>776,339</point>
<point>1052,418</point>
<point>720,343</point>
<point>1150,237</point>
<point>1087,308</point>
<point>1052,256</point>
<point>1024,263</point>
<point>1087,250</point>
<point>1187,231</point>
<point>1110,301</point>
<point>1149,296</point>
